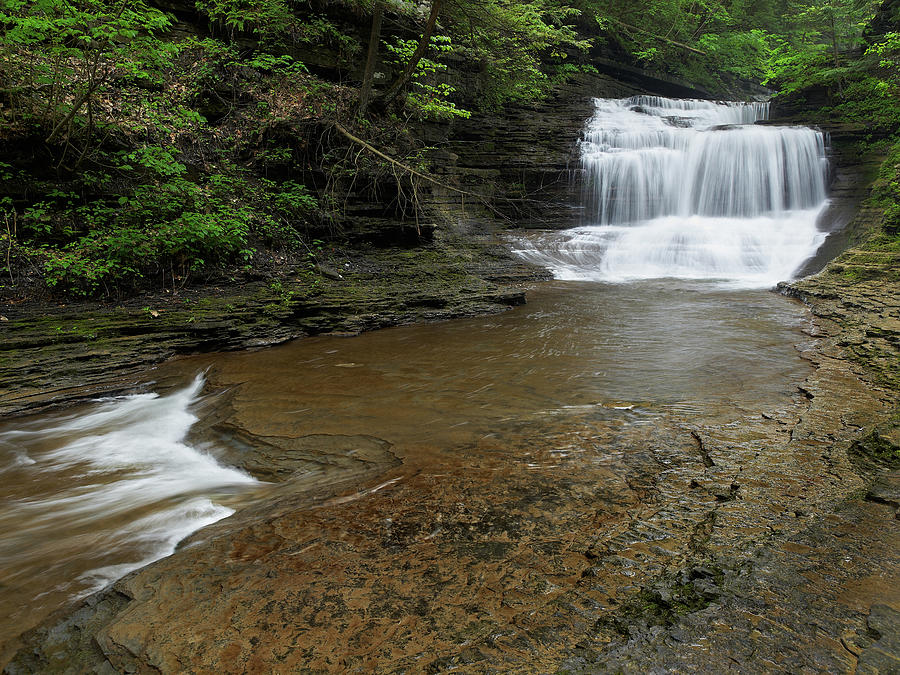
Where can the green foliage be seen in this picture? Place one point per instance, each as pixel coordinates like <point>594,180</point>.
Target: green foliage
<point>656,31</point>
<point>429,98</point>
<point>320,30</point>
<point>265,19</point>
<point>863,88</point>
<point>742,53</point>
<point>886,195</point>
<point>274,23</point>
<point>520,48</point>
<point>512,40</point>
<point>786,43</point>
<point>58,60</point>
<point>121,109</point>
<point>167,223</point>
<point>814,51</point>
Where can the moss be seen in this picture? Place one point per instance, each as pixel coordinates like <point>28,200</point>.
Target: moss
<point>883,242</point>
<point>273,309</point>
<point>876,450</point>
<point>690,591</point>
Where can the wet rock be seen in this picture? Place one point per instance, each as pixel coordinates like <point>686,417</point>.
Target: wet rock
<point>329,272</point>
<point>882,656</point>
<point>606,561</point>
<point>886,490</point>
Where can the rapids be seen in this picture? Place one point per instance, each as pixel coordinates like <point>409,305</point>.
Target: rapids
<point>96,493</point>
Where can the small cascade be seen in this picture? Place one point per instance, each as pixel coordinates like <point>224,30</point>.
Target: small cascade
<point>691,189</point>
<point>95,495</point>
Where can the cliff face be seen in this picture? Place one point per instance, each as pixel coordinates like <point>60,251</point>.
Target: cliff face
<point>519,166</point>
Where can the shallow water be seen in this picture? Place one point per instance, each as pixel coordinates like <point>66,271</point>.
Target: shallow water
<point>648,345</point>
<point>101,490</point>
<point>98,491</point>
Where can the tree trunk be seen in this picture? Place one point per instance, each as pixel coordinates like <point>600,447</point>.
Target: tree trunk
<point>834,40</point>
<point>365,91</point>
<point>404,77</point>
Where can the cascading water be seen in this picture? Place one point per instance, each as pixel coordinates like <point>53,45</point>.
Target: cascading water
<point>92,496</point>
<point>691,189</point>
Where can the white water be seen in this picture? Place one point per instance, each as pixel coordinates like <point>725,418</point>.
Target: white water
<point>95,495</point>
<point>691,189</point>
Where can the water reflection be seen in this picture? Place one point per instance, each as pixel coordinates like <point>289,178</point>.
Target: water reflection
<point>649,345</point>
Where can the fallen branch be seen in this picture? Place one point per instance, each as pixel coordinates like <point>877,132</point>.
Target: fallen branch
<point>408,169</point>
<point>481,198</point>
<point>375,151</point>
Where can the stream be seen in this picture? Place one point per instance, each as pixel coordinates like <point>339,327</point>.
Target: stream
<point>661,309</point>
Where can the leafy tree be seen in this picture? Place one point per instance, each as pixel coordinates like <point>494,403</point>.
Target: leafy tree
<point>510,40</point>
<point>822,39</point>
<point>421,47</point>
<point>57,57</point>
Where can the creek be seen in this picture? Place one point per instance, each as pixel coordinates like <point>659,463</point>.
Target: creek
<point>660,309</point>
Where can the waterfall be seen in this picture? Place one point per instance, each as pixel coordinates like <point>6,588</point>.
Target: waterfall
<point>691,189</point>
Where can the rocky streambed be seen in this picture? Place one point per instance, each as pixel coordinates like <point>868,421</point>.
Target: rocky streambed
<point>757,534</point>
<point>754,529</point>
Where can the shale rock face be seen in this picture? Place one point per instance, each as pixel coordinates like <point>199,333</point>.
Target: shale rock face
<point>526,158</point>
<point>61,353</point>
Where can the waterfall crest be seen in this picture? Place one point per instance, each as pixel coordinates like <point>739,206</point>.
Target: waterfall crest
<point>691,189</point>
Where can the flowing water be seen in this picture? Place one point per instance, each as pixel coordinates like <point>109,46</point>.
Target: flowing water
<point>675,189</point>
<point>647,347</point>
<point>691,190</point>
<point>98,492</point>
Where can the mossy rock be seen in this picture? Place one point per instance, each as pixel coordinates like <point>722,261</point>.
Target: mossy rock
<point>663,604</point>
<point>879,449</point>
